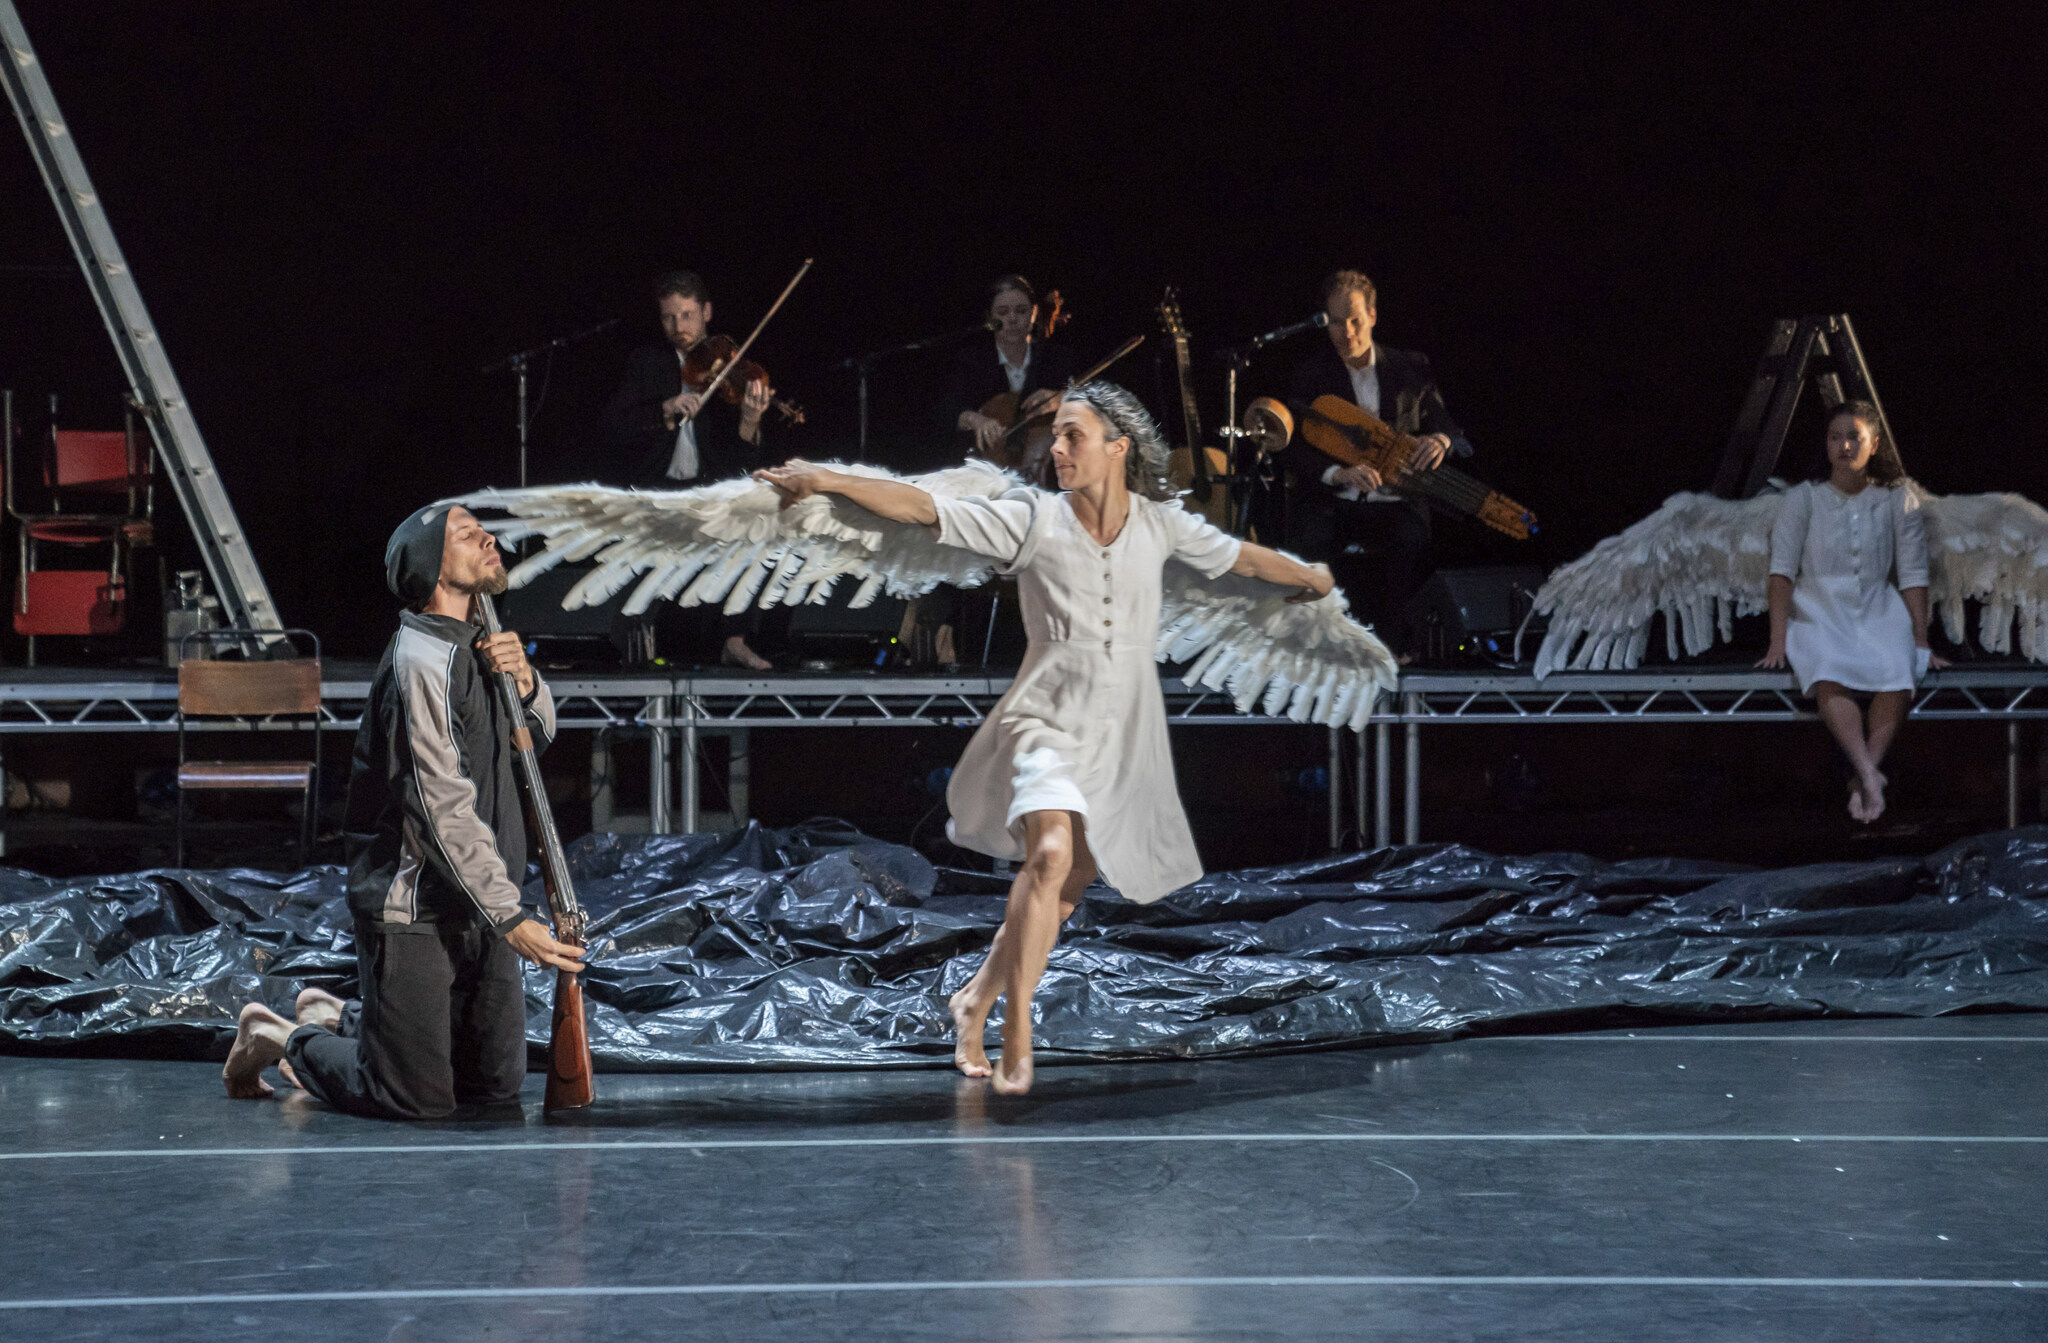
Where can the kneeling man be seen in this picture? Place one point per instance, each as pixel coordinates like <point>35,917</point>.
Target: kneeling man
<point>437,848</point>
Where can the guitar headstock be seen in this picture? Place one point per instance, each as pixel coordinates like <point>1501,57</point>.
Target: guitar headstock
<point>1169,315</point>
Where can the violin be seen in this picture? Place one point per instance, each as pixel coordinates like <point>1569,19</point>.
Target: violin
<point>708,360</point>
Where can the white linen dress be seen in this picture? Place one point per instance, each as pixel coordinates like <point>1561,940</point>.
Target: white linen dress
<point>1848,557</point>
<point>1083,727</point>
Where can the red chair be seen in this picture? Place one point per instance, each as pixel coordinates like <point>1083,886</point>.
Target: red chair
<point>104,467</point>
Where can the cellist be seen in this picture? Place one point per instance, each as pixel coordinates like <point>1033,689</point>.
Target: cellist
<point>1023,365</point>
<point>1019,377</point>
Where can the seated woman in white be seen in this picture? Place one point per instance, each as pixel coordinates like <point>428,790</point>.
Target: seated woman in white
<point>1848,595</point>
<point>1071,772</point>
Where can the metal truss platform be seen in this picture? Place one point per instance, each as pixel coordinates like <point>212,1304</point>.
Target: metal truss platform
<point>677,710</point>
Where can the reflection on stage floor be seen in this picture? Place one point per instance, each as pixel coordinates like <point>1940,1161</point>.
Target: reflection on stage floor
<point>1816,1180</point>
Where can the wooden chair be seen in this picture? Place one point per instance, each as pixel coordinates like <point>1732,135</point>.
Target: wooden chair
<point>280,687</point>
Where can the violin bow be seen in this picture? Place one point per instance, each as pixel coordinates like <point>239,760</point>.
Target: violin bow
<point>741,353</point>
<point>1119,352</point>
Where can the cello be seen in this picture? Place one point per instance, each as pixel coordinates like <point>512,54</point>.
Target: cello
<point>1027,435</point>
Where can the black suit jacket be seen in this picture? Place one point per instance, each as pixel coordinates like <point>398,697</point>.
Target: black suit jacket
<point>642,446</point>
<point>978,375</point>
<point>1410,401</point>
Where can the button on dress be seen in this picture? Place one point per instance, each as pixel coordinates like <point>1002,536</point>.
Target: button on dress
<point>1848,556</point>
<point>1083,727</point>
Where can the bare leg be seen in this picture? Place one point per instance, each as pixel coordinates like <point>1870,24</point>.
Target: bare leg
<point>259,1042</point>
<point>1887,714</point>
<point>1838,710</point>
<point>1052,841</point>
<point>973,1003</point>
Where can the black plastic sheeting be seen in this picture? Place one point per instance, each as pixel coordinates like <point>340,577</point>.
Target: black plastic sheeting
<point>818,947</point>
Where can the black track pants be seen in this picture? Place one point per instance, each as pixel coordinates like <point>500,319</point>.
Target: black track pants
<point>441,1024</point>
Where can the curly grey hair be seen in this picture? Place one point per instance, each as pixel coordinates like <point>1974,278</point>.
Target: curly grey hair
<point>1124,416</point>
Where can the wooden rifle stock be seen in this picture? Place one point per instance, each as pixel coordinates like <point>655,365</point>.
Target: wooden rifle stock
<point>570,1081</point>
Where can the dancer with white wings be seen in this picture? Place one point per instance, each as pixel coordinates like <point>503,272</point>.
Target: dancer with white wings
<point>1071,772</point>
<point>1848,571</point>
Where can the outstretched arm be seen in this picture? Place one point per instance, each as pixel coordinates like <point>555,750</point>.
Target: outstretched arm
<point>1273,567</point>
<point>896,500</point>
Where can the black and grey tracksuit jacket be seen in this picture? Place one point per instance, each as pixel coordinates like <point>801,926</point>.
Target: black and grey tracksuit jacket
<point>434,827</point>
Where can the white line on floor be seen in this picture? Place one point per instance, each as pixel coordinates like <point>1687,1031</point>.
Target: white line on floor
<point>1004,1140</point>
<point>1681,1038</point>
<point>999,1285</point>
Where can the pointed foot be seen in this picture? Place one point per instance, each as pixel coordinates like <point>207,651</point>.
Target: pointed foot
<point>968,1055</point>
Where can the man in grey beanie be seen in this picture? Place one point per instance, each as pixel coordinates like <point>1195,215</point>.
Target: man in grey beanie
<point>437,851</point>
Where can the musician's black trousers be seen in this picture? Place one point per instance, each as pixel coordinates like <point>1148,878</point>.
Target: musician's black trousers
<point>441,1024</point>
<point>1378,553</point>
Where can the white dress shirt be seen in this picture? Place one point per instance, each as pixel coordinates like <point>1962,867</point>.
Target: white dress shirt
<point>1365,390</point>
<point>683,463</point>
<point>1016,373</point>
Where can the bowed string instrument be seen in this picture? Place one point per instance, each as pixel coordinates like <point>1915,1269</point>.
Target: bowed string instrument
<point>1022,432</point>
<point>715,365</point>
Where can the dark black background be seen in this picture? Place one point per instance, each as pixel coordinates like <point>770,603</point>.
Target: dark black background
<point>1588,216</point>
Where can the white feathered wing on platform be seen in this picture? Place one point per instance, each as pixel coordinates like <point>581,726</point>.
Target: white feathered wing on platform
<point>733,543</point>
<point>1703,560</point>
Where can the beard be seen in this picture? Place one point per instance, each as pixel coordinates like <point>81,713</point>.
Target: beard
<point>492,584</point>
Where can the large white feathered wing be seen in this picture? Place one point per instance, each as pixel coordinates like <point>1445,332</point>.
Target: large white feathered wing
<point>1700,559</point>
<point>734,543</point>
<point>1991,548</point>
<point>1308,660</point>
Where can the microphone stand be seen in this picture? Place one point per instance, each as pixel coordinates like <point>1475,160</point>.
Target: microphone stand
<point>518,364</point>
<point>860,364</point>
<point>1243,483</point>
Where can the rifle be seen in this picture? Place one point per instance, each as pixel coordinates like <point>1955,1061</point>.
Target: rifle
<point>569,1068</point>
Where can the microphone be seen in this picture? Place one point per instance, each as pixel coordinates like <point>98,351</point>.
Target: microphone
<point>1321,319</point>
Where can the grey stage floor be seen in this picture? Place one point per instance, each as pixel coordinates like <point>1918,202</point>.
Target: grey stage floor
<point>1820,1181</point>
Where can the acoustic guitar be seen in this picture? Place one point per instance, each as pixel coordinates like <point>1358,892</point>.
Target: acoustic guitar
<point>1191,466</point>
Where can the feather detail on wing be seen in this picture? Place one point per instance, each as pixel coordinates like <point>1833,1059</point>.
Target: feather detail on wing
<point>733,543</point>
<point>1700,559</point>
<point>1993,549</point>
<point>1307,660</point>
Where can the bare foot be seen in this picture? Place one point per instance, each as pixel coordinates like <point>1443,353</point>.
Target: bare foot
<point>259,1042</point>
<point>1856,800</point>
<point>737,654</point>
<point>1013,1071</point>
<point>1873,796</point>
<point>318,1007</point>
<point>968,1055</point>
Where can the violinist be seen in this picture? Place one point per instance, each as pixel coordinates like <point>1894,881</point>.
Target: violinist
<point>664,435</point>
<point>1023,368</point>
